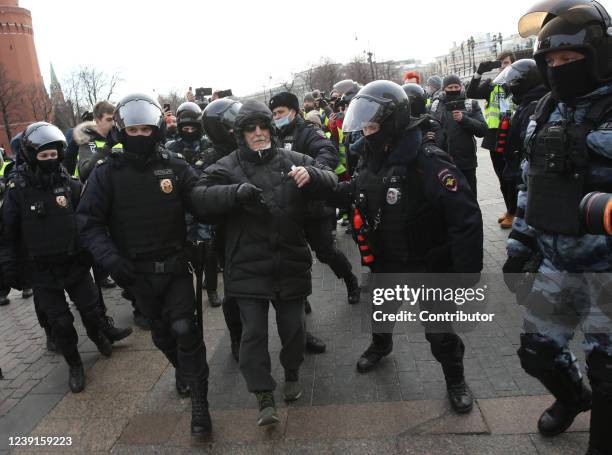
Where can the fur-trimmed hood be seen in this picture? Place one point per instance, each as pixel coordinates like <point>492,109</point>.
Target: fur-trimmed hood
<point>85,132</point>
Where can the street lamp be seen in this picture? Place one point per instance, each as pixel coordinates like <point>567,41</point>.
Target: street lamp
<point>462,58</point>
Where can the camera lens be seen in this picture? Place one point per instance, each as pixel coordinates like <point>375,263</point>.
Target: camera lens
<point>596,213</point>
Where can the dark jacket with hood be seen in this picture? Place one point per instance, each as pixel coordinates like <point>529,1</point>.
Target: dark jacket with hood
<point>266,254</point>
<point>460,141</point>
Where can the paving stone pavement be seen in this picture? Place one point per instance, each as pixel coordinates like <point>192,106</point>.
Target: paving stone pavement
<point>130,405</point>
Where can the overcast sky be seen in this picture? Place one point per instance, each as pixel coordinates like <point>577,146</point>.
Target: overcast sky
<point>245,46</point>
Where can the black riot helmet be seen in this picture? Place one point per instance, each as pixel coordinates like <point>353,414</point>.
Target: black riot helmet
<point>189,114</point>
<point>519,77</point>
<point>580,25</point>
<point>252,113</point>
<point>417,97</point>
<point>139,109</point>
<point>218,121</point>
<point>378,102</point>
<point>41,136</point>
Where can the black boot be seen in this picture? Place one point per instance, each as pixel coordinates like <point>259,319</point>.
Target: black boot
<point>314,345</point>
<point>201,424</point>
<point>381,346</point>
<point>560,416</point>
<point>459,394</point>
<point>352,289</point>
<point>114,333</point>
<point>182,386</point>
<point>4,300</point>
<point>102,343</point>
<point>76,373</point>
<point>213,299</point>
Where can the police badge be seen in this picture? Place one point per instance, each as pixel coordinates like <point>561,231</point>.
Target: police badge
<point>61,201</point>
<point>393,195</point>
<point>166,186</point>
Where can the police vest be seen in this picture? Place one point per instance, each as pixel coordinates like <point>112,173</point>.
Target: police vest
<point>48,221</point>
<point>4,165</point>
<point>403,226</point>
<point>497,104</point>
<point>148,220</point>
<point>562,170</point>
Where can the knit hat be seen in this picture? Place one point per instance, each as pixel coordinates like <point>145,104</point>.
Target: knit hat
<point>451,79</point>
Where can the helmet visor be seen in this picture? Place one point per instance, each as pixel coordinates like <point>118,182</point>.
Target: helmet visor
<point>43,135</point>
<point>363,111</point>
<point>574,11</point>
<point>139,112</point>
<point>228,117</point>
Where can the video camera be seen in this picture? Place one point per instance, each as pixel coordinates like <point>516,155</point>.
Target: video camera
<point>201,92</point>
<point>458,105</point>
<point>596,213</point>
<point>224,93</point>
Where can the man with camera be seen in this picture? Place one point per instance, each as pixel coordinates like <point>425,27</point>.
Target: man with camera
<point>461,120</point>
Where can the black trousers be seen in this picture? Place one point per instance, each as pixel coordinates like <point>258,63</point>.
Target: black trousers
<point>470,176</point>
<point>507,188</point>
<point>168,301</point>
<point>211,264</point>
<point>255,363</point>
<point>319,236</point>
<point>52,305</point>
<point>231,313</point>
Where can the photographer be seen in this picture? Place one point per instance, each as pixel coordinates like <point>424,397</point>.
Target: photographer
<point>461,120</point>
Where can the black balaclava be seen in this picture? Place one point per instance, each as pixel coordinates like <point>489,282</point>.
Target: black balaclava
<point>570,81</point>
<point>139,149</point>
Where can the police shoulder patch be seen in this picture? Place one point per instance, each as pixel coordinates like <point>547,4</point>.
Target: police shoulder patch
<point>448,179</point>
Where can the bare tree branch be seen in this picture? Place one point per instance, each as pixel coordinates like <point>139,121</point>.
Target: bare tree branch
<point>11,94</point>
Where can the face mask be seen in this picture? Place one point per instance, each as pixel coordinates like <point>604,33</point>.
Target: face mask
<point>171,130</point>
<point>48,166</point>
<point>376,141</point>
<point>308,109</point>
<point>190,137</point>
<point>283,121</point>
<point>570,81</point>
<point>140,145</point>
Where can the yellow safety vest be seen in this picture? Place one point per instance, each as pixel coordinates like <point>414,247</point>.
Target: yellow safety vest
<point>4,165</point>
<point>492,109</point>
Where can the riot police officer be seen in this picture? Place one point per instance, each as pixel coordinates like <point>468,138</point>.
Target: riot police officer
<point>568,156</point>
<point>39,214</point>
<point>218,123</point>
<point>421,214</point>
<point>132,218</point>
<point>431,128</point>
<point>191,144</point>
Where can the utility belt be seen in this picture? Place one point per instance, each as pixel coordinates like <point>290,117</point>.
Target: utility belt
<point>174,265</point>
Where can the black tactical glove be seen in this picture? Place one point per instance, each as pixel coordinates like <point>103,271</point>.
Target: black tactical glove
<point>513,270</point>
<point>488,66</point>
<point>247,193</point>
<point>123,272</point>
